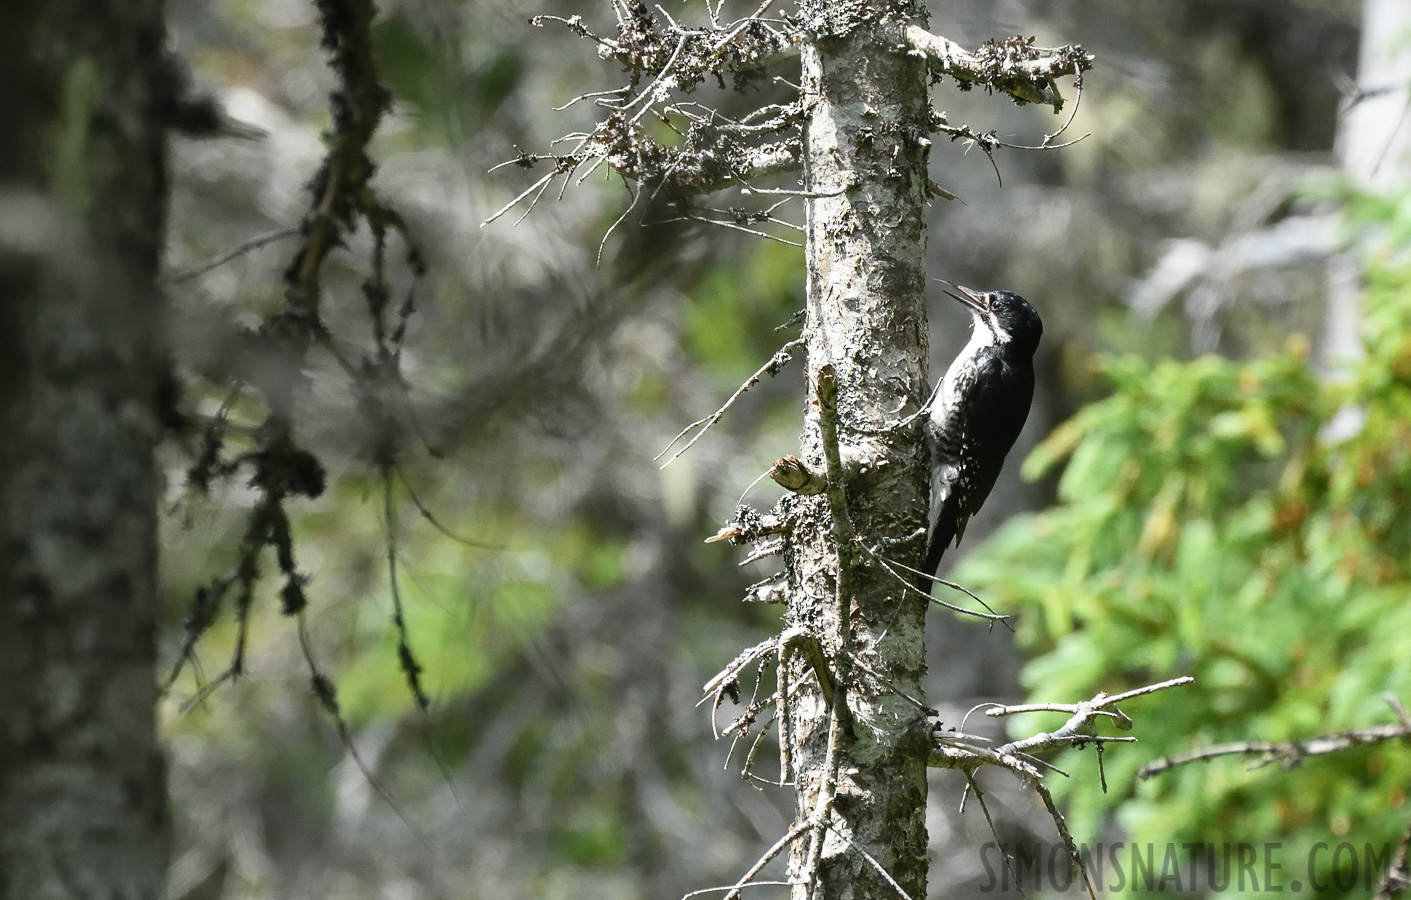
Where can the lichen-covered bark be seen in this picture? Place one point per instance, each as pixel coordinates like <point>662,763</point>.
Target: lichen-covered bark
<point>82,792</point>
<point>865,152</point>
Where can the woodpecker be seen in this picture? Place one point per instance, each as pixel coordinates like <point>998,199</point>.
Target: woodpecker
<point>978,412</point>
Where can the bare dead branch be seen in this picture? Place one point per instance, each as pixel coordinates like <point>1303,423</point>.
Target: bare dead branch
<point>1013,66</point>
<point>793,474</point>
<point>751,231</point>
<point>1073,854</point>
<point>719,684</point>
<point>642,42</point>
<point>763,551</point>
<point>1082,716</point>
<point>989,141</point>
<point>771,590</point>
<point>779,846</point>
<point>636,196</point>
<point>954,750</point>
<point>435,521</point>
<point>1397,877</point>
<point>1289,753</point>
<point>971,785</point>
<point>871,861</point>
<point>1072,114</point>
<point>544,181</point>
<point>783,694</point>
<point>746,772</point>
<point>328,699</point>
<point>781,358</point>
<point>749,527</point>
<point>891,566</point>
<point>827,793</point>
<point>714,151</point>
<point>958,751</point>
<point>713,890</point>
<point>739,215</point>
<point>798,640</point>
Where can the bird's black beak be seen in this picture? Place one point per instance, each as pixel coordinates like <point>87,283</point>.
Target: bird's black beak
<point>973,299</point>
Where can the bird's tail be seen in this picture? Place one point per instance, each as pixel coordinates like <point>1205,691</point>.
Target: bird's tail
<point>941,539</point>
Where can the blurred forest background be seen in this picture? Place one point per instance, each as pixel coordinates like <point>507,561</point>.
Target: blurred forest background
<point>566,610</point>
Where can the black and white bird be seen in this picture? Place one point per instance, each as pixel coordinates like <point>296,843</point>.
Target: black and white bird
<point>978,412</point>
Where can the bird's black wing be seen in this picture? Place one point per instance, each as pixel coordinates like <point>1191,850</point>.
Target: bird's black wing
<point>993,405</point>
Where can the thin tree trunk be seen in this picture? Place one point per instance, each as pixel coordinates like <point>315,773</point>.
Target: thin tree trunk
<point>82,195</point>
<point>1374,146</point>
<point>861,774</point>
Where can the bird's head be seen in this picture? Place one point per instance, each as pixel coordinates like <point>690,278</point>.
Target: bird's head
<point>1007,317</point>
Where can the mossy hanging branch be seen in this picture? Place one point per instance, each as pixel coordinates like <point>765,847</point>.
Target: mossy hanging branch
<point>278,467</point>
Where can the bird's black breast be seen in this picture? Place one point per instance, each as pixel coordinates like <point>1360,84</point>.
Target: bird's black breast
<point>991,412</point>
<point>982,413</point>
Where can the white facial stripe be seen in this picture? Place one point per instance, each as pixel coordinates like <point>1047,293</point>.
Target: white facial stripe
<point>981,335</point>
<point>986,330</point>
<point>1001,336</point>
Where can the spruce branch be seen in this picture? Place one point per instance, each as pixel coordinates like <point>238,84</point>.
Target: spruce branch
<point>1290,753</point>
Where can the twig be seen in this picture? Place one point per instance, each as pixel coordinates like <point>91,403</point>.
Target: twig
<point>328,698</point>
<point>893,686</point>
<point>789,837</point>
<point>726,681</point>
<point>951,751</point>
<point>636,196</point>
<point>793,474</point>
<point>1397,877</point>
<point>748,189</point>
<point>411,669</point>
<point>745,770</point>
<point>253,243</point>
<point>525,193</point>
<point>888,564</point>
<point>1073,113</point>
<point>435,522</point>
<point>751,231</point>
<point>652,89</point>
<point>568,176</point>
<point>763,551</point>
<point>1082,714</point>
<point>1291,753</point>
<point>591,95</point>
<point>1067,836</point>
<point>988,142</point>
<point>776,362</point>
<point>712,890</point>
<point>972,785</point>
<point>872,861</point>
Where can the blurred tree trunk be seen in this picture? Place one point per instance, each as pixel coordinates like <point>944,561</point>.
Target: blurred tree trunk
<point>860,768</point>
<point>1374,147</point>
<point>1374,137</point>
<point>83,92</point>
